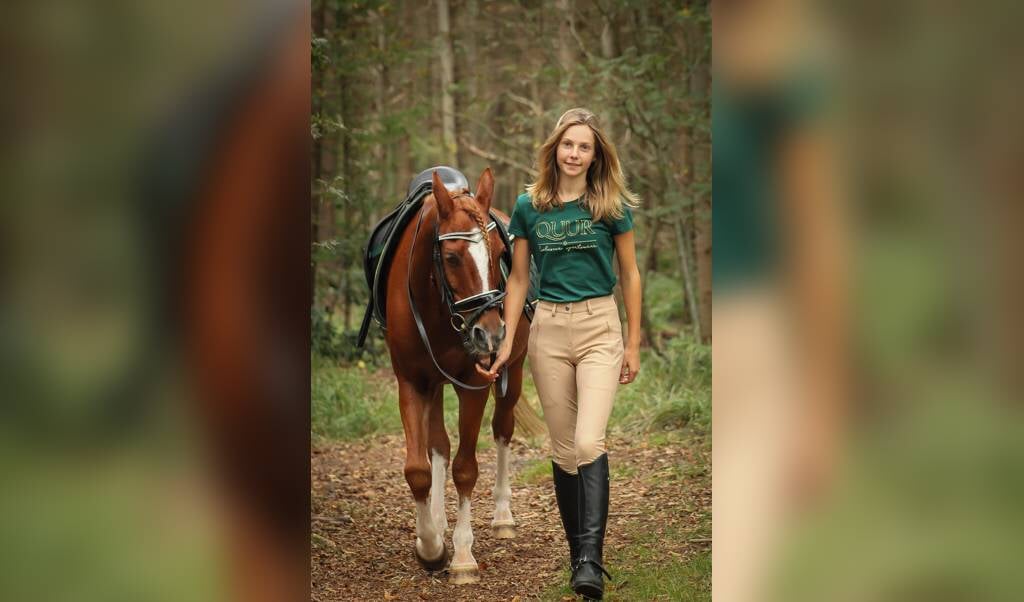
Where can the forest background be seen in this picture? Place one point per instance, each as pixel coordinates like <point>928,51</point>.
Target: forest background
<point>399,87</point>
<point>403,86</point>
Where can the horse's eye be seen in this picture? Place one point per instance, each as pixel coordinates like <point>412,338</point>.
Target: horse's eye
<point>452,260</point>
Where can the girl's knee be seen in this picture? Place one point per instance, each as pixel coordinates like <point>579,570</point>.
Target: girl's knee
<point>567,465</point>
<point>588,450</point>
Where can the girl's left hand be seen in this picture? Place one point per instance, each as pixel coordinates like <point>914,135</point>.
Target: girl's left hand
<point>630,366</point>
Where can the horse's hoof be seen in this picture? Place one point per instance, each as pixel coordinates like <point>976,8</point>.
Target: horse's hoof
<point>436,564</point>
<point>463,574</point>
<point>503,530</point>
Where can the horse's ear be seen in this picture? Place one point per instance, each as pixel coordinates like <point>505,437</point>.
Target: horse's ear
<point>484,190</point>
<point>445,205</point>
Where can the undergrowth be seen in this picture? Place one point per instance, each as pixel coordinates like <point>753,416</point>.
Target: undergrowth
<point>354,393</point>
<point>671,392</point>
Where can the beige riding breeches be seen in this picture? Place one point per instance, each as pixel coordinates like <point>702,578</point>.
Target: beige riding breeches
<point>575,356</point>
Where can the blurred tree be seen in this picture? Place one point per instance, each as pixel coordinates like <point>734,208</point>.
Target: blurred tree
<point>400,86</point>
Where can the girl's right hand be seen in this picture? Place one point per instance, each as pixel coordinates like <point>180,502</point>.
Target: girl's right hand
<point>502,357</point>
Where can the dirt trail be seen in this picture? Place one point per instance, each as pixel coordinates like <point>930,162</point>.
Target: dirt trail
<point>363,520</point>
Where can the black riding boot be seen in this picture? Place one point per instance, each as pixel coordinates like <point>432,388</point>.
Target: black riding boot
<point>593,487</point>
<point>567,494</point>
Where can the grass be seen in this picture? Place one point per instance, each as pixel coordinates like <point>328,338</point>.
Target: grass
<point>351,402</point>
<point>644,571</point>
<point>621,471</point>
<point>353,399</point>
<point>357,400</point>
<point>671,394</point>
<point>534,472</point>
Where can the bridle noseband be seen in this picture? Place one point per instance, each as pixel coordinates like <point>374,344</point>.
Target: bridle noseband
<point>478,303</point>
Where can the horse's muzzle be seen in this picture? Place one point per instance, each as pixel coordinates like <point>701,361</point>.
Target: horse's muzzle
<point>483,342</point>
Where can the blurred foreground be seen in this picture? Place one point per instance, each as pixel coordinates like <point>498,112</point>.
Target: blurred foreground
<point>867,420</point>
<point>154,437</point>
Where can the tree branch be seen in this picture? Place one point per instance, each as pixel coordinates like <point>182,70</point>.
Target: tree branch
<point>500,159</point>
<point>535,107</point>
<point>579,41</point>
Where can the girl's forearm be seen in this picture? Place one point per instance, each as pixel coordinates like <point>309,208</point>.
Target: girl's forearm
<point>631,292</point>
<point>515,297</point>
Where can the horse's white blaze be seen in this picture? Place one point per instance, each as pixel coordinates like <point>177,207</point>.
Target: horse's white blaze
<point>462,536</point>
<point>429,540</point>
<point>502,489</point>
<point>478,250</point>
<point>438,476</point>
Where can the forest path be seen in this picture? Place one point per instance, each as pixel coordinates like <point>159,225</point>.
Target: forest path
<point>363,523</point>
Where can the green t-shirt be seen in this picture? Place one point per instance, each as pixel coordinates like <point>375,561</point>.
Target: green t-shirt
<point>573,254</point>
<point>749,125</point>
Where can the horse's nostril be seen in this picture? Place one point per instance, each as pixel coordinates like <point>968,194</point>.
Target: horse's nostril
<point>479,335</point>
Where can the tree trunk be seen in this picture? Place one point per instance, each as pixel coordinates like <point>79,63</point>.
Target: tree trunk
<point>652,237</point>
<point>317,108</point>
<point>609,50</point>
<point>566,46</point>
<point>608,42</point>
<point>447,60</point>
<point>700,83</point>
<point>385,153</point>
<point>540,129</point>
<point>471,76</point>
<point>687,263</point>
<point>333,90</point>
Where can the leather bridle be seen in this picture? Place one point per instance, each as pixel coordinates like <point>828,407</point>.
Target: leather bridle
<point>474,305</point>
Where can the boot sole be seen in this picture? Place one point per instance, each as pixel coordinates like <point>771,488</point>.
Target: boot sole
<point>589,590</point>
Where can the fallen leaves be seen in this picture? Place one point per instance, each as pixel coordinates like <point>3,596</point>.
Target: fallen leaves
<point>363,520</point>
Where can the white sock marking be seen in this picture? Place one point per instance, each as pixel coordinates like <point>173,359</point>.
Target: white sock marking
<point>462,537</point>
<point>438,477</point>
<point>502,489</point>
<point>428,539</point>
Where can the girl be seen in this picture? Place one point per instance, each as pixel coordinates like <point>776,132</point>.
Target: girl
<point>573,220</point>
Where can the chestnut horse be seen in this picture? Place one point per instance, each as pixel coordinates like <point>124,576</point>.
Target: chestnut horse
<point>446,308</point>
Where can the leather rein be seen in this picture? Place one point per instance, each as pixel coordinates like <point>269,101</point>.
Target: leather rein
<point>475,305</point>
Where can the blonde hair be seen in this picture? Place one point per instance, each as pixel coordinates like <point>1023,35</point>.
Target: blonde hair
<point>606,193</point>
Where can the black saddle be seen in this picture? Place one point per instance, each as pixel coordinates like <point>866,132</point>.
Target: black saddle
<point>380,247</point>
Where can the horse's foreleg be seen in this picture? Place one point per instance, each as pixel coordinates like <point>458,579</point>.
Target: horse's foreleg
<point>503,526</point>
<point>430,549</point>
<point>464,472</point>
<point>439,448</point>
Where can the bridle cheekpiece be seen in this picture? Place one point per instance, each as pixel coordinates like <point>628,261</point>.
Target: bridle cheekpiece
<point>474,305</point>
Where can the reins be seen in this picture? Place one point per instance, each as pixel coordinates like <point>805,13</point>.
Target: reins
<point>485,300</point>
